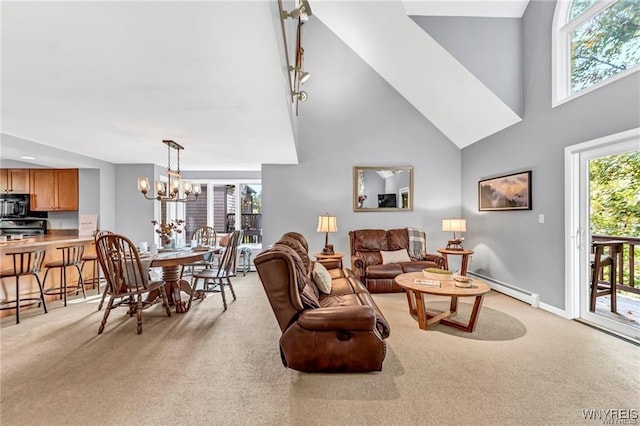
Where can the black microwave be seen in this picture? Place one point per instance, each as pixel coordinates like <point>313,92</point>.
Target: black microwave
<point>14,205</point>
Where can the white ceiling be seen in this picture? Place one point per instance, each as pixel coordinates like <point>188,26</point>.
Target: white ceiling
<point>111,80</point>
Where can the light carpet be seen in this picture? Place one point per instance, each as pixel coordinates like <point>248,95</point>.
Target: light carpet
<point>522,366</point>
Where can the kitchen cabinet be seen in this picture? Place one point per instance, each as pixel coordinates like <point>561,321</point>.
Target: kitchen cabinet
<point>14,181</point>
<point>54,190</point>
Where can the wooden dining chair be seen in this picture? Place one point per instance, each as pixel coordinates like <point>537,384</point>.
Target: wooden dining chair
<point>214,280</point>
<point>204,236</point>
<point>604,284</point>
<point>127,277</point>
<point>106,288</point>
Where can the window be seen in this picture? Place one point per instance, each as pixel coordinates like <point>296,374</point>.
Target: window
<point>218,205</point>
<point>594,43</point>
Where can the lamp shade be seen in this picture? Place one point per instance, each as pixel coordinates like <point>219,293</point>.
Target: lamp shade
<point>454,225</point>
<point>327,223</point>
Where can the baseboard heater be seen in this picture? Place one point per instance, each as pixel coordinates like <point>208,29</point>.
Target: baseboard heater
<point>517,293</point>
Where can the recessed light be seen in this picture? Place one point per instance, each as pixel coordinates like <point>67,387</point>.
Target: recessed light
<point>26,157</point>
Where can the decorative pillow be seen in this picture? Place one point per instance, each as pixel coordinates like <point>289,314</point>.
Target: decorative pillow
<point>322,278</point>
<point>395,256</point>
<point>224,240</point>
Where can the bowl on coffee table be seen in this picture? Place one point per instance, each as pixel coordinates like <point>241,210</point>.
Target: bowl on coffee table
<point>437,274</point>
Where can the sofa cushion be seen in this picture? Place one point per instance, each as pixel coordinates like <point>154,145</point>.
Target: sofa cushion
<point>321,278</point>
<point>371,257</point>
<point>370,240</point>
<point>397,239</point>
<point>395,256</point>
<point>342,300</point>
<point>417,265</point>
<point>383,271</point>
<point>340,286</point>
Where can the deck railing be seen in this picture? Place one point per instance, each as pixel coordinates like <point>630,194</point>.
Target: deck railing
<point>629,267</point>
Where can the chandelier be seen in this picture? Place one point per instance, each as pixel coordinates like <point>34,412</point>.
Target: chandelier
<point>170,191</point>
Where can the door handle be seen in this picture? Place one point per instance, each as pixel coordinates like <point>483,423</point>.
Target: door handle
<point>580,237</point>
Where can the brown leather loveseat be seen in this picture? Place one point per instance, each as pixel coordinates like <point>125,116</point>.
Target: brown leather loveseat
<point>367,261</point>
<point>340,331</point>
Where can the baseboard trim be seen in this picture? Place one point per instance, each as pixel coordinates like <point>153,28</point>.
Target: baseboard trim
<point>525,296</point>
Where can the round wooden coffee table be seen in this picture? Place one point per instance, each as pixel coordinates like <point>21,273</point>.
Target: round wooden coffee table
<point>415,298</point>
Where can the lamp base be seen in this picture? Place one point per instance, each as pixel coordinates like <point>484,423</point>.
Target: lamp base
<point>328,249</point>
<point>455,244</point>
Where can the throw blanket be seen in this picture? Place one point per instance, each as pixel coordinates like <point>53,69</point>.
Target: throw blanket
<point>417,243</point>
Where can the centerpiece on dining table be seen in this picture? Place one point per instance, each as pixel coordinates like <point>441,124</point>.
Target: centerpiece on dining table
<point>166,231</point>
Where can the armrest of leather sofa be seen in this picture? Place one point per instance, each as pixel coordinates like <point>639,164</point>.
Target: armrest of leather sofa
<point>435,258</point>
<point>338,318</point>
<point>358,266</point>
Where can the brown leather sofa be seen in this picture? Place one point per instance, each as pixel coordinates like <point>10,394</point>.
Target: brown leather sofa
<point>366,260</point>
<point>341,331</point>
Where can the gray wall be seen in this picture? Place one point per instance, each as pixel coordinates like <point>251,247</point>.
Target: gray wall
<point>134,213</point>
<point>353,117</point>
<point>511,246</point>
<point>491,48</point>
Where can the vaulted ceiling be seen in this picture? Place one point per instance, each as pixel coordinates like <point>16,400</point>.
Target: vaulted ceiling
<point>111,80</point>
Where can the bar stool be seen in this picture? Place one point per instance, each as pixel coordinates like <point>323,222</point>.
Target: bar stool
<point>71,256</point>
<point>25,263</point>
<point>95,271</point>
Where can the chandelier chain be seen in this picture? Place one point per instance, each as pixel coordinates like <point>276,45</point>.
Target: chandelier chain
<point>168,157</point>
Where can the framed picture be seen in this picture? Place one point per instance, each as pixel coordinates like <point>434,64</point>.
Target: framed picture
<point>508,192</point>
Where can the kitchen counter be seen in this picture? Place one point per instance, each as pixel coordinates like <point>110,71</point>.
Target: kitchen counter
<point>28,284</point>
<point>42,240</point>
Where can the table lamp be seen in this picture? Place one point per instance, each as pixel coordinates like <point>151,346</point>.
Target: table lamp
<point>454,225</point>
<point>327,224</point>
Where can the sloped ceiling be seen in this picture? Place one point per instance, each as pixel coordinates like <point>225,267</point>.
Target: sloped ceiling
<point>430,78</point>
<point>111,80</point>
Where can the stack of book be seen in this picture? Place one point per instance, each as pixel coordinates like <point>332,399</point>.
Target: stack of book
<point>426,283</point>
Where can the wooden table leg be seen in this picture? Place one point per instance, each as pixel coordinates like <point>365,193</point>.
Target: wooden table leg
<point>446,261</point>
<point>473,319</point>
<point>453,306</point>
<point>411,301</point>
<point>465,263</point>
<point>174,285</point>
<point>420,310</point>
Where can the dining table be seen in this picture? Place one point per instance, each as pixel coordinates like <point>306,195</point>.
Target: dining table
<point>171,262</point>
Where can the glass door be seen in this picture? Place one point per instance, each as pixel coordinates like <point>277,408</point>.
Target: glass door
<point>599,210</point>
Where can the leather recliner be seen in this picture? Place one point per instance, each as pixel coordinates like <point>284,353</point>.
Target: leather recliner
<point>341,331</point>
<point>366,259</point>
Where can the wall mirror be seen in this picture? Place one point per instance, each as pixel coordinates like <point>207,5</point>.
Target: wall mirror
<point>382,189</point>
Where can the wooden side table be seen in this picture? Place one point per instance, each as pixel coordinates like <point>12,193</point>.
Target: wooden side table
<point>465,258</point>
<point>330,261</point>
